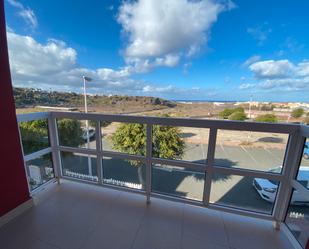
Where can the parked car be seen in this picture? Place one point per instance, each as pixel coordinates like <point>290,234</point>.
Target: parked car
<point>267,189</point>
<point>306,151</point>
<point>91,134</point>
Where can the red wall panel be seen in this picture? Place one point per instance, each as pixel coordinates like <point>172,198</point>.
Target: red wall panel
<point>13,182</point>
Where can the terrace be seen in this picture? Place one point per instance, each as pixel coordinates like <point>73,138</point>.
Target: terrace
<point>219,195</point>
<point>204,200</point>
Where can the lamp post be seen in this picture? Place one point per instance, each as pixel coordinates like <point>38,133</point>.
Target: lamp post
<point>250,107</point>
<point>249,114</point>
<point>85,79</point>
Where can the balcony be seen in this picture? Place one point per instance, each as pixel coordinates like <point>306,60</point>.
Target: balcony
<point>218,195</point>
<point>75,215</point>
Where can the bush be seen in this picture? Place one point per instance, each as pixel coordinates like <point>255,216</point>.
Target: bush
<point>240,116</point>
<point>131,139</point>
<point>70,132</point>
<point>34,135</point>
<point>268,118</point>
<point>227,112</point>
<point>297,113</point>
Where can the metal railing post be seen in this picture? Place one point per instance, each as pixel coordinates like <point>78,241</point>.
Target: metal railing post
<point>148,161</point>
<point>99,150</point>
<point>54,143</point>
<point>209,165</point>
<point>290,168</point>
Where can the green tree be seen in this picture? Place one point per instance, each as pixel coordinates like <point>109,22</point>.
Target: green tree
<point>227,112</point>
<point>131,138</point>
<point>70,132</point>
<point>34,135</point>
<point>297,113</point>
<point>240,116</point>
<point>239,109</point>
<point>268,118</point>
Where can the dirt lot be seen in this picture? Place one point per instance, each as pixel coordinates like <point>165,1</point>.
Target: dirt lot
<point>224,137</point>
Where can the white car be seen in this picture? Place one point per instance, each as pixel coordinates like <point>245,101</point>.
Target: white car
<point>91,134</point>
<point>267,189</point>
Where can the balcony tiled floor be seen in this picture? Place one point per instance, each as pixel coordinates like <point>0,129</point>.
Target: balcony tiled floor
<point>80,216</point>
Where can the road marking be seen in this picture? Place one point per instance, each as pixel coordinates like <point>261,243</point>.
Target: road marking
<point>224,151</point>
<point>256,162</point>
<point>204,156</point>
<point>274,156</point>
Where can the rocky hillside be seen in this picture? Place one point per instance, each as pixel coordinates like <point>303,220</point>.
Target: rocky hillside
<point>29,97</point>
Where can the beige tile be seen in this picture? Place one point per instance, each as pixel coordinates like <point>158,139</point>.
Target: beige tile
<point>246,232</point>
<point>161,227</point>
<point>204,224</point>
<point>81,216</point>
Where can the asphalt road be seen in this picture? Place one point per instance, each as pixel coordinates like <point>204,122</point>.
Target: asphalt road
<point>228,190</point>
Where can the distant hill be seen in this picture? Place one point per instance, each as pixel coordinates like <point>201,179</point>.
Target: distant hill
<point>30,97</point>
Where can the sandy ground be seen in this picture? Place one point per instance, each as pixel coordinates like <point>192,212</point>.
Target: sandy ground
<point>224,137</point>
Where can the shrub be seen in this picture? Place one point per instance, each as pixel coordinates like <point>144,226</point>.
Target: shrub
<point>70,132</point>
<point>240,116</point>
<point>297,113</point>
<point>227,112</point>
<point>268,118</point>
<point>131,139</point>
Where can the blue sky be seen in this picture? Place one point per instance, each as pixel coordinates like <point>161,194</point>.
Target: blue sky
<point>176,49</point>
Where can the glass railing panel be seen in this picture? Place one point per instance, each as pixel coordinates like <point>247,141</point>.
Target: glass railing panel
<point>34,135</point>
<point>76,133</point>
<point>127,138</point>
<point>247,193</point>
<point>178,181</point>
<point>79,166</point>
<point>297,218</point>
<point>180,143</point>
<point>40,170</point>
<point>124,173</point>
<point>251,150</point>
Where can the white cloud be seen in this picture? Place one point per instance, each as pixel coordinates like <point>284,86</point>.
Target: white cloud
<point>55,65</point>
<point>280,75</point>
<point>246,86</point>
<point>15,4</point>
<point>32,58</point>
<point>302,69</point>
<point>260,33</point>
<point>251,60</point>
<point>156,89</point>
<point>26,13</point>
<point>271,69</point>
<point>291,84</point>
<point>160,32</point>
<point>29,16</point>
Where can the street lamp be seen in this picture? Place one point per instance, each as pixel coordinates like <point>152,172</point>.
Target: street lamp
<point>87,79</point>
<point>250,107</point>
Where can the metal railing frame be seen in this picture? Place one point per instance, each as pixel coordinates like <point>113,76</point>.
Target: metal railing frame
<point>297,134</point>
